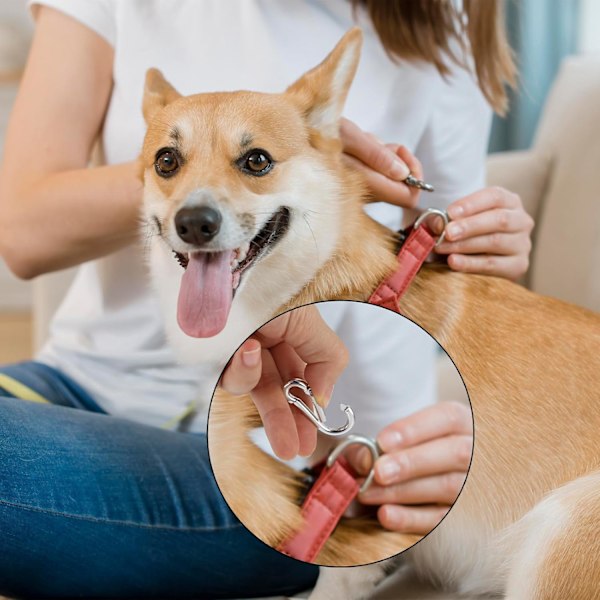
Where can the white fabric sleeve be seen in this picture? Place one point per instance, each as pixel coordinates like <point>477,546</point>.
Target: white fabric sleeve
<point>453,144</point>
<point>391,373</point>
<point>97,15</point>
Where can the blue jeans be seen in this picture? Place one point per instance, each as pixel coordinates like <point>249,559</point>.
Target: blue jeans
<point>94,506</point>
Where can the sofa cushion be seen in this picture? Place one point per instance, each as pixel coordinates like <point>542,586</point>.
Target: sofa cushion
<point>525,173</point>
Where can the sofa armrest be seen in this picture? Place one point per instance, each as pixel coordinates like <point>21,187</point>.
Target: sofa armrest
<point>523,172</point>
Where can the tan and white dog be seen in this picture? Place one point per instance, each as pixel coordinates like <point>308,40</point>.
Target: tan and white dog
<point>251,193</point>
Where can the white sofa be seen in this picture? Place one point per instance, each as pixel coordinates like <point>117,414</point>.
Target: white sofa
<point>558,180</point>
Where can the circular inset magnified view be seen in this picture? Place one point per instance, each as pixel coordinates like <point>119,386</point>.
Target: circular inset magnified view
<point>341,433</point>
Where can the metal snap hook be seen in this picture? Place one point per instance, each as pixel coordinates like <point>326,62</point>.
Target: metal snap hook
<point>418,183</point>
<point>364,441</point>
<point>315,413</point>
<point>434,212</point>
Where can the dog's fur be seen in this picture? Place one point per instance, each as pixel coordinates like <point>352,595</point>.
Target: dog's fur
<point>526,524</point>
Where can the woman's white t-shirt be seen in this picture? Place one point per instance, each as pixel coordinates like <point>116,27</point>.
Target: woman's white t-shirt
<point>108,332</point>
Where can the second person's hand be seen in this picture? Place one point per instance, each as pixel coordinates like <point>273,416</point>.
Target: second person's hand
<point>490,234</point>
<point>384,166</point>
<point>422,469</point>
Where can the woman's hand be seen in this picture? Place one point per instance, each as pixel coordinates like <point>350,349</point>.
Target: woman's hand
<point>385,166</point>
<point>296,344</point>
<point>423,468</point>
<point>490,233</point>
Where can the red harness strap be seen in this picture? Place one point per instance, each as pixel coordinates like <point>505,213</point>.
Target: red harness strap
<point>411,257</point>
<point>336,486</point>
<point>322,510</point>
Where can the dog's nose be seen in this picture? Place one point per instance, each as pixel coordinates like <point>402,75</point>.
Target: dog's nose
<point>197,225</point>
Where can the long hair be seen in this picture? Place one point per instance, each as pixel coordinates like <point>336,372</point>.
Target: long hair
<point>438,31</point>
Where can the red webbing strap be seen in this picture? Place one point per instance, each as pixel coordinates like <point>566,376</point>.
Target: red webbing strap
<point>322,510</point>
<point>411,257</point>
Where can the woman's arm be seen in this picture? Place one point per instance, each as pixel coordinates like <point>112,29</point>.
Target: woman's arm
<point>55,212</point>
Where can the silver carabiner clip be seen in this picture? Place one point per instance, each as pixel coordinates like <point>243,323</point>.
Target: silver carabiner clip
<point>315,413</point>
<point>363,441</point>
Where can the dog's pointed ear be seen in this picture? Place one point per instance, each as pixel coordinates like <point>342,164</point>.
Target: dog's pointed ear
<point>158,92</point>
<point>321,92</point>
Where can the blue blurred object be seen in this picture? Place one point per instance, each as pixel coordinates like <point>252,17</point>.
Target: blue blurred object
<point>542,33</point>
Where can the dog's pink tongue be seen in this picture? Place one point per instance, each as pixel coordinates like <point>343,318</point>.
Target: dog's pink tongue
<point>206,293</point>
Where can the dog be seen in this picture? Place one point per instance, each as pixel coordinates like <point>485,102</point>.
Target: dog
<point>251,194</point>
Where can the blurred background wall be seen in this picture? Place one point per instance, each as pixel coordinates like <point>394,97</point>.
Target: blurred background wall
<point>15,35</point>
<point>542,33</point>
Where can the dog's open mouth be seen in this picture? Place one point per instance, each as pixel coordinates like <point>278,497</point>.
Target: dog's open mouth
<point>212,278</point>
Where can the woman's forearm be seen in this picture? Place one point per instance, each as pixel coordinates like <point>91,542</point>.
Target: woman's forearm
<point>69,217</point>
<point>54,211</point>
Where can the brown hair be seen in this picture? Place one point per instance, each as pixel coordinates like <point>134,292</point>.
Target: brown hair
<point>436,30</point>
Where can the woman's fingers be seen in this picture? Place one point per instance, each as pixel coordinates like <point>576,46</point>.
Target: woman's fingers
<point>274,410</point>
<point>243,372</point>
<point>440,420</point>
<point>444,455</point>
<point>483,200</point>
<point>384,166</point>
<point>291,366</point>
<point>437,489</point>
<point>298,343</point>
<point>263,379</point>
<point>493,243</point>
<point>509,267</point>
<point>431,423</point>
<point>427,456</point>
<point>408,519</point>
<point>490,234</point>
<point>384,189</point>
<point>497,220</point>
<point>371,152</point>
<point>320,348</point>
<point>413,163</point>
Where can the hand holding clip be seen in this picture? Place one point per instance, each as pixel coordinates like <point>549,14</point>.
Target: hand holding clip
<point>391,172</point>
<point>490,234</point>
<point>315,413</point>
<point>297,344</point>
<point>423,463</point>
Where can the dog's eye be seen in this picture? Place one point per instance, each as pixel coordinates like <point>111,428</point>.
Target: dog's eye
<point>256,162</point>
<point>167,162</point>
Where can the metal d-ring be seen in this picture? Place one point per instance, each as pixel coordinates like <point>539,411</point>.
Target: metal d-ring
<point>350,441</point>
<point>315,413</point>
<point>434,212</point>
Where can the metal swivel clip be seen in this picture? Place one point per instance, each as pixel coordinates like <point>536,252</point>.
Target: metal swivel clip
<point>315,413</point>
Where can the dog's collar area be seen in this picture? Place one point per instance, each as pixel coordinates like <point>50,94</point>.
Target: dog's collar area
<point>336,486</point>
<point>413,251</point>
<point>324,505</point>
<point>328,490</point>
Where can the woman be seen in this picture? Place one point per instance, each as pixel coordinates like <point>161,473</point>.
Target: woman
<point>99,506</point>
